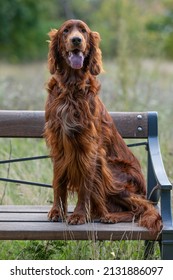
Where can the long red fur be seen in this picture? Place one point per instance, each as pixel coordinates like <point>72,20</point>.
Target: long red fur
<point>89,155</point>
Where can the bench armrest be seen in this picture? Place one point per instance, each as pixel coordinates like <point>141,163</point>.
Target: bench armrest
<point>158,170</point>
<point>157,163</point>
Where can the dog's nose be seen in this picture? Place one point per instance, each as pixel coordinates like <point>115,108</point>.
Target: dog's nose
<point>76,41</point>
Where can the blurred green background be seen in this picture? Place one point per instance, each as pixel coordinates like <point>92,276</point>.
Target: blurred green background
<point>144,27</point>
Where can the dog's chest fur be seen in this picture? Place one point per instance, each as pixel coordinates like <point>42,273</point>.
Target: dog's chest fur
<point>75,113</point>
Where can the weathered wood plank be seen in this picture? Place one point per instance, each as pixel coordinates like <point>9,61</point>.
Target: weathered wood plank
<point>21,123</point>
<point>24,208</point>
<point>31,124</point>
<point>60,231</point>
<point>130,124</point>
<point>28,208</point>
<point>23,217</point>
<point>35,226</point>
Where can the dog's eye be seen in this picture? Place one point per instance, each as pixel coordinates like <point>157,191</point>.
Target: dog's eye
<point>83,30</point>
<point>65,30</point>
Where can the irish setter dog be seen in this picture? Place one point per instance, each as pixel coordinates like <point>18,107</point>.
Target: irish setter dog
<point>89,156</point>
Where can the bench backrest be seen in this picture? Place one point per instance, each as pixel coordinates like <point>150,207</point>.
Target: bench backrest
<point>30,124</point>
<point>131,125</point>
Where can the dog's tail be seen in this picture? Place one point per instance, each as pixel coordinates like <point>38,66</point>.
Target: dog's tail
<point>145,213</point>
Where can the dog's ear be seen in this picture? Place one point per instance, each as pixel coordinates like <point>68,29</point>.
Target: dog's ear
<point>95,59</point>
<point>53,54</point>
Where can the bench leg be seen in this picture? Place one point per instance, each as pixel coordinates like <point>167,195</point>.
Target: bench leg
<point>149,249</point>
<point>167,249</point>
<point>166,244</point>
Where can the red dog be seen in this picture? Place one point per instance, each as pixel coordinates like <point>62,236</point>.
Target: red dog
<point>89,156</point>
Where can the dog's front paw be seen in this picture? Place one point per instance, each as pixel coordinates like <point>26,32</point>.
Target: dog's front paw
<point>76,219</point>
<point>54,214</point>
<point>109,219</point>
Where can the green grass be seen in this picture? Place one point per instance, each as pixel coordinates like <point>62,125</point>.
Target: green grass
<point>74,250</point>
<point>39,171</point>
<point>128,86</point>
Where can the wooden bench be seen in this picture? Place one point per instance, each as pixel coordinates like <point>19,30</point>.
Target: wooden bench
<point>30,222</point>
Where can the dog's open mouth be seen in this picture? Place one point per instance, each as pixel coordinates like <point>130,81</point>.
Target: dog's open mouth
<point>76,59</point>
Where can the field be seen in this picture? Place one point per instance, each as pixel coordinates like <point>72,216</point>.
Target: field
<point>126,86</point>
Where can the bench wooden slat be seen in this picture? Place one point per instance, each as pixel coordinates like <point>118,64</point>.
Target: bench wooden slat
<point>61,231</point>
<point>25,217</point>
<point>35,226</point>
<point>24,208</point>
<point>31,124</point>
<point>21,124</point>
<point>131,125</point>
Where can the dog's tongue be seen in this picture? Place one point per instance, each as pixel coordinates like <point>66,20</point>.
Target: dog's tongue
<point>76,60</point>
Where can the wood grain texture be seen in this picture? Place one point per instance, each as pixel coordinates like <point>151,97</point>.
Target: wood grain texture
<point>31,223</point>
<point>21,124</point>
<point>31,124</point>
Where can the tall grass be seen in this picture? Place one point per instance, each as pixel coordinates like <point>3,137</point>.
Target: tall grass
<point>130,85</point>
<point>74,250</point>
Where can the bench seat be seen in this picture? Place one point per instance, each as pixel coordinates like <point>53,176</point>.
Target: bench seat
<point>31,223</point>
